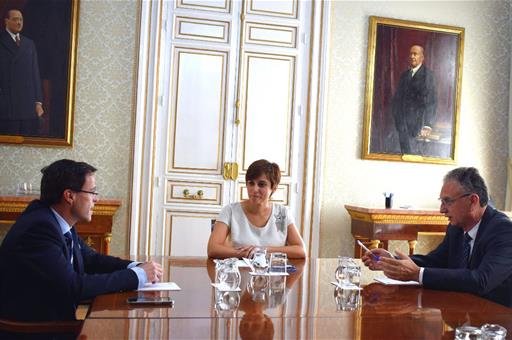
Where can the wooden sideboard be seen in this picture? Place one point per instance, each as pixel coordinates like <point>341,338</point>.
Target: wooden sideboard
<point>378,226</point>
<point>97,234</point>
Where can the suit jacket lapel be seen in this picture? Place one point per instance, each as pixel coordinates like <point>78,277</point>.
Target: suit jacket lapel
<point>8,43</point>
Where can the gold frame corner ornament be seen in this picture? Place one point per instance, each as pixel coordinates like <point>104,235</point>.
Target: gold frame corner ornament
<point>436,30</point>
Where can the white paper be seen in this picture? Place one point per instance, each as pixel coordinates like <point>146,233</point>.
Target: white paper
<point>387,281</point>
<point>148,287</point>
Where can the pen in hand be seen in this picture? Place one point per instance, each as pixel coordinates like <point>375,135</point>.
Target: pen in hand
<point>375,257</point>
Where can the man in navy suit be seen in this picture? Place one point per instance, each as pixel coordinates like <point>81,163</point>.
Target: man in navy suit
<point>20,81</point>
<point>45,268</point>
<point>475,255</point>
<point>414,103</point>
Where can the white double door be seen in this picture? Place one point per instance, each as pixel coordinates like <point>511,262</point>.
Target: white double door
<point>231,88</point>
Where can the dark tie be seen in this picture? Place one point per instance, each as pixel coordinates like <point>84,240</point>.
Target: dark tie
<point>17,39</point>
<point>467,249</point>
<point>411,73</point>
<point>69,243</point>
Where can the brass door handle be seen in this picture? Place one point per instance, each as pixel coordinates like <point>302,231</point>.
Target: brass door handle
<point>198,196</point>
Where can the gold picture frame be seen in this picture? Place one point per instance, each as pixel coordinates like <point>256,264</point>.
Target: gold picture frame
<point>412,116</point>
<point>50,31</point>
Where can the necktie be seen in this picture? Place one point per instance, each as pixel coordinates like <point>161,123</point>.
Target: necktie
<point>17,39</point>
<point>69,243</point>
<point>467,249</point>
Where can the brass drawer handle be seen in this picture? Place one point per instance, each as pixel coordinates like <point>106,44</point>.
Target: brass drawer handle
<point>198,196</point>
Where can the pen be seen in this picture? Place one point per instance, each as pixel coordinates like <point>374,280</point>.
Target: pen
<point>375,257</point>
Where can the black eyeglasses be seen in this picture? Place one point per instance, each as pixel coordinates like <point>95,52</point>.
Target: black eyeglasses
<point>94,193</point>
<point>449,201</point>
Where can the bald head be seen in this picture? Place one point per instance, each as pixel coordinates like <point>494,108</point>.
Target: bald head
<point>416,56</point>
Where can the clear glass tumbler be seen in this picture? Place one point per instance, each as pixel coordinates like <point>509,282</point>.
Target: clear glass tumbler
<point>278,263</point>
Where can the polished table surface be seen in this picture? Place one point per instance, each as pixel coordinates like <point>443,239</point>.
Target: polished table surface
<point>305,306</point>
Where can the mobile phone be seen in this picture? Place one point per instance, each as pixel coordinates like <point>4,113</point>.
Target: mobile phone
<point>143,300</point>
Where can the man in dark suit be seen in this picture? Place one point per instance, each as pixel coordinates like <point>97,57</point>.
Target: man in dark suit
<point>475,255</point>
<point>414,103</point>
<point>20,81</point>
<point>45,268</point>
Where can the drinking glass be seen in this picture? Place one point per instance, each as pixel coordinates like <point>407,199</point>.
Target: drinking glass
<point>340,273</point>
<point>259,260</point>
<point>468,333</point>
<point>278,263</point>
<point>227,274</point>
<point>493,332</point>
<point>353,273</point>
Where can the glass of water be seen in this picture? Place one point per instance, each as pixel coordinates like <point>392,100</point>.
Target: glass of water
<point>493,332</point>
<point>259,260</point>
<point>468,333</point>
<point>227,275</point>
<point>278,263</point>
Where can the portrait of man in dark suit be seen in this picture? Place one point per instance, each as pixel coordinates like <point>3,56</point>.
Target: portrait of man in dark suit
<point>37,70</point>
<point>413,91</point>
<point>414,103</point>
<point>21,98</point>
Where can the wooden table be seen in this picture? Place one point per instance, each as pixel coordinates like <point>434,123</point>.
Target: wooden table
<point>97,233</point>
<point>374,226</point>
<point>306,306</point>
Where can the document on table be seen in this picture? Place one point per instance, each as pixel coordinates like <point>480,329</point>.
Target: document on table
<point>391,282</point>
<point>148,287</point>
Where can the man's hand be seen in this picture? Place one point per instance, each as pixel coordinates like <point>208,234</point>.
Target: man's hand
<point>403,269</point>
<point>370,261</point>
<point>425,131</point>
<point>153,271</point>
<point>39,109</point>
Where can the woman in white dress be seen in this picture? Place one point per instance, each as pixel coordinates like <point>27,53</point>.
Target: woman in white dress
<point>243,226</point>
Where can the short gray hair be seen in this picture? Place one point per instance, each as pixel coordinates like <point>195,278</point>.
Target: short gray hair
<point>470,179</point>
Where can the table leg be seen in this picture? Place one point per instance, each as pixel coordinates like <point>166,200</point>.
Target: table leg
<point>412,245</point>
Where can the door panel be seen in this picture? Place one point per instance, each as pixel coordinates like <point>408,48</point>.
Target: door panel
<point>197,121</point>
<point>268,109</point>
<point>186,233</point>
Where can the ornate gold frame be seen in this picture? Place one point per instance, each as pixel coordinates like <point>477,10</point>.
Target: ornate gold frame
<point>412,26</point>
<point>67,139</point>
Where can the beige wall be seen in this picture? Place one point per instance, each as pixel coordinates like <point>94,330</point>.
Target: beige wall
<point>483,140</point>
<point>103,114</point>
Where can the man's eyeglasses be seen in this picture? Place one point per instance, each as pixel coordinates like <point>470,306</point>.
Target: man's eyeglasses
<point>94,193</point>
<point>450,201</point>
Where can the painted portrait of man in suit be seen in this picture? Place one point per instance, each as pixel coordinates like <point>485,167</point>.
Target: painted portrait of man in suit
<point>411,102</point>
<point>36,69</point>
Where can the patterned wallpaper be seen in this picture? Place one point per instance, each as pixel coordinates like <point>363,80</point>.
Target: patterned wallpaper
<point>483,131</point>
<point>103,111</point>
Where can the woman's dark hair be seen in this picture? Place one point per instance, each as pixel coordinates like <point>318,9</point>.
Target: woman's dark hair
<point>264,167</point>
<point>61,175</point>
<point>471,181</point>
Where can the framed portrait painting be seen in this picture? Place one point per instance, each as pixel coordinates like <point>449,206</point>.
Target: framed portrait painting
<point>413,86</point>
<point>38,41</point>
